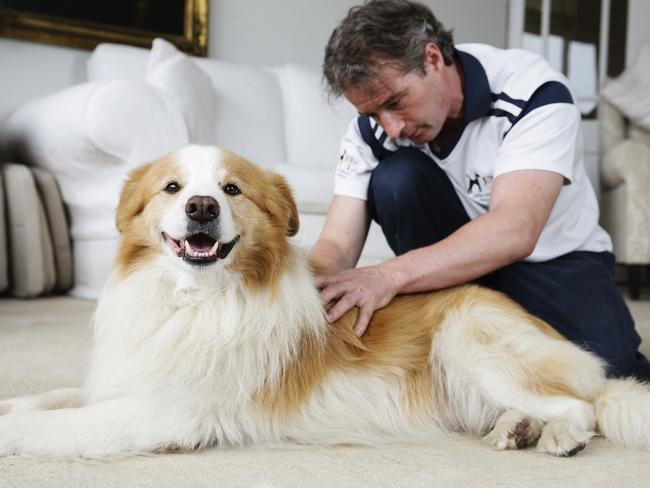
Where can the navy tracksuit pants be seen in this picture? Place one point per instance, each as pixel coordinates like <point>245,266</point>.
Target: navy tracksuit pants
<point>415,204</point>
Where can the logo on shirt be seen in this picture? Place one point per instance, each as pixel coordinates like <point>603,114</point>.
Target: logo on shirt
<point>348,165</point>
<point>479,188</point>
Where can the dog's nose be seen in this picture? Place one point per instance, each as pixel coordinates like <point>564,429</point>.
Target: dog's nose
<point>202,209</point>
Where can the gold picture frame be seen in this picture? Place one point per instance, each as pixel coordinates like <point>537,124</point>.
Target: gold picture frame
<point>20,20</point>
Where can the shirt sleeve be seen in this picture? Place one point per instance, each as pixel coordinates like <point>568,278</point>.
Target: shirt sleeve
<point>356,163</point>
<point>547,138</point>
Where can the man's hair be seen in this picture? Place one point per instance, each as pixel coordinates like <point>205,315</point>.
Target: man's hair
<point>377,32</point>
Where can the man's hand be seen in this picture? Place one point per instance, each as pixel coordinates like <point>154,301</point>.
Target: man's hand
<point>369,289</point>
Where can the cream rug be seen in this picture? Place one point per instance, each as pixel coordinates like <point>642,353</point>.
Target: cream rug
<point>44,345</point>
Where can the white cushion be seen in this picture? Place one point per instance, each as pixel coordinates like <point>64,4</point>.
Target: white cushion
<point>249,111</point>
<point>117,61</point>
<point>189,88</point>
<point>314,126</point>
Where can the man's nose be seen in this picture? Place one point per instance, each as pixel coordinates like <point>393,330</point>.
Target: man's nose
<point>392,124</point>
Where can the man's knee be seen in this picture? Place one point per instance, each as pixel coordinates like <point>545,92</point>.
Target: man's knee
<point>400,174</point>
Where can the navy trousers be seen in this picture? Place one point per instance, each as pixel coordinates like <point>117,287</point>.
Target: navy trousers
<point>415,204</point>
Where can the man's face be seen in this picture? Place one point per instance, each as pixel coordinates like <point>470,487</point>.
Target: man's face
<point>409,105</point>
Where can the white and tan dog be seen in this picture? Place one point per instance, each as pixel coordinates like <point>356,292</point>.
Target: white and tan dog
<point>210,332</point>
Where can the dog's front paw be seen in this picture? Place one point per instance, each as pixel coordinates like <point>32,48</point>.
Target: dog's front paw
<point>514,430</point>
<point>562,438</point>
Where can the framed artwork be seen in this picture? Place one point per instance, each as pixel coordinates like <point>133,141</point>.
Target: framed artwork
<point>84,24</point>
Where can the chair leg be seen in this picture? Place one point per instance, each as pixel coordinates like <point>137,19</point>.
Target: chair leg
<point>634,280</point>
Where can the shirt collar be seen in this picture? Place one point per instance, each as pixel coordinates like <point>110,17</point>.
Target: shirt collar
<point>477,96</point>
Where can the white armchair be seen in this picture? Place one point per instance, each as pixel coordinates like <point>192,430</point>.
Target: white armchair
<point>624,118</point>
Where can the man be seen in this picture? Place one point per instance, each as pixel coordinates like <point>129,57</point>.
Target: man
<point>470,160</point>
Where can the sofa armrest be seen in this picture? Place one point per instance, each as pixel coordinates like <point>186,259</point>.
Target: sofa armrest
<point>627,162</point>
<point>625,201</point>
<point>88,137</point>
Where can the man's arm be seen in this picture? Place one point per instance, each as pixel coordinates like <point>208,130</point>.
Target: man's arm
<point>343,236</point>
<point>521,205</point>
<point>522,202</point>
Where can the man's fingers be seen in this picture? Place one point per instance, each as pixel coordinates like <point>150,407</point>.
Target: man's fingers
<point>365,313</point>
<point>342,306</point>
<point>331,292</point>
<point>322,281</point>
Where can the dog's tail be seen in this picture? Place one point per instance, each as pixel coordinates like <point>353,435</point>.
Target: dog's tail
<point>623,412</point>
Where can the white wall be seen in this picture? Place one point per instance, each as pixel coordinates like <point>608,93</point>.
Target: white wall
<point>254,32</point>
<point>30,70</point>
<point>271,33</point>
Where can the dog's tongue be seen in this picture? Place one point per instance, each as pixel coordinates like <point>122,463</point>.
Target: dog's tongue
<point>201,242</point>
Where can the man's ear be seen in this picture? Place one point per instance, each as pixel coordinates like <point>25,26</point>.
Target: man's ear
<point>433,56</point>
<point>284,205</point>
<point>132,198</point>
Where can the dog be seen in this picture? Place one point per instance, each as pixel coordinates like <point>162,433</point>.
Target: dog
<point>210,332</point>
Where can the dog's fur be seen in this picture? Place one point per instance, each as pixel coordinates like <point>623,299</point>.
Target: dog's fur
<point>232,349</point>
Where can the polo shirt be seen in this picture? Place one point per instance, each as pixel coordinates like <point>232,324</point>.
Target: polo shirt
<point>519,115</point>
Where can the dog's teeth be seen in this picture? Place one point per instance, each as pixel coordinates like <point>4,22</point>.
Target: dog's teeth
<point>213,251</point>
<point>188,248</point>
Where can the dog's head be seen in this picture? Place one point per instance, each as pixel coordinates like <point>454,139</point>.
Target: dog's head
<point>203,207</point>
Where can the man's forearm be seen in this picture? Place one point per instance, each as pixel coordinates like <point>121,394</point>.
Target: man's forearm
<point>481,246</point>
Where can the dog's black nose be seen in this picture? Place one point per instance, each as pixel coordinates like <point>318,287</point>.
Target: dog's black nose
<point>202,209</point>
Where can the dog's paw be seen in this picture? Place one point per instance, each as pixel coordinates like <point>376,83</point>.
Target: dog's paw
<point>562,438</point>
<point>514,430</point>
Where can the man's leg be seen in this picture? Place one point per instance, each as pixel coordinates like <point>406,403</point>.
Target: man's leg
<point>577,295</point>
<point>413,201</point>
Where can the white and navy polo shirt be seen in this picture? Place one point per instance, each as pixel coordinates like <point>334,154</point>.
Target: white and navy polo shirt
<point>519,115</point>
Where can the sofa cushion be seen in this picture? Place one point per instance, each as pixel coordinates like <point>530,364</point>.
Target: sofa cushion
<point>249,115</point>
<point>314,125</point>
<point>31,261</point>
<point>117,62</point>
<point>48,191</point>
<point>189,88</point>
<point>249,111</point>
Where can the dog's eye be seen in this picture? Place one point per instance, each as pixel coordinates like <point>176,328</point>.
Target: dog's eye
<point>172,187</point>
<point>231,189</point>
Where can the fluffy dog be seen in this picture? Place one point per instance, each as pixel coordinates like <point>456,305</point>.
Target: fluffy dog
<point>210,332</point>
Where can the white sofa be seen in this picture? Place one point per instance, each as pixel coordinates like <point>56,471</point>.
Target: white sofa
<point>137,105</point>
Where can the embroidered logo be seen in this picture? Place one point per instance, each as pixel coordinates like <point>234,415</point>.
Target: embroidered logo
<point>348,164</point>
<point>479,188</point>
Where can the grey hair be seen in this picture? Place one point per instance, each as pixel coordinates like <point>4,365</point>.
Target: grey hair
<point>380,32</point>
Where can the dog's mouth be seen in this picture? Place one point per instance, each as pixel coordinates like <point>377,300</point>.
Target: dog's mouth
<point>200,248</point>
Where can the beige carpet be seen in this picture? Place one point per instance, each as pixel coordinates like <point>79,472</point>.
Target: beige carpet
<point>44,345</point>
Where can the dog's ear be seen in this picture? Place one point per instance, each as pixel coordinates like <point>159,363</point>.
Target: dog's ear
<point>132,197</point>
<point>286,205</point>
